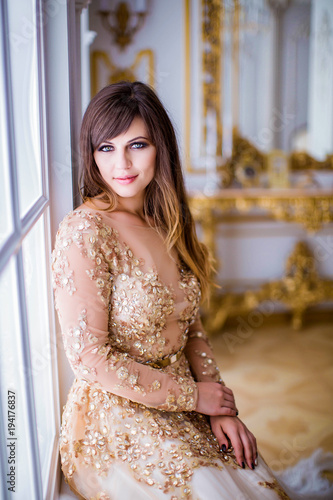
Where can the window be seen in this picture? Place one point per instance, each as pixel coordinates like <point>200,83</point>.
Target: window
<point>29,413</point>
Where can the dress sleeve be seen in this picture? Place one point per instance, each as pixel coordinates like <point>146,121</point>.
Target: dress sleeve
<point>82,282</point>
<point>199,353</point>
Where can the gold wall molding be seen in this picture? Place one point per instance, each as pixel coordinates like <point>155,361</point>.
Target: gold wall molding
<point>117,73</point>
<point>212,57</point>
<point>211,72</point>
<point>122,26</point>
<point>187,93</point>
<point>298,160</point>
<point>244,152</point>
<point>310,209</point>
<point>303,161</point>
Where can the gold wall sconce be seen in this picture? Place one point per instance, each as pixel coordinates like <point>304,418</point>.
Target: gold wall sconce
<point>123,22</point>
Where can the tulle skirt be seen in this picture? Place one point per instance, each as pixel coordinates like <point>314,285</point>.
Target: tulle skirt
<point>114,449</point>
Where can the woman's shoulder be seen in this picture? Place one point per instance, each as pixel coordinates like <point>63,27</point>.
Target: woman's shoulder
<point>91,218</point>
<point>118,217</point>
<point>83,232</point>
<point>84,219</point>
<point>77,216</point>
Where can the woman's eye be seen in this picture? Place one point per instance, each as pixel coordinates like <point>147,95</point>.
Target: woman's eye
<point>139,145</point>
<point>105,148</point>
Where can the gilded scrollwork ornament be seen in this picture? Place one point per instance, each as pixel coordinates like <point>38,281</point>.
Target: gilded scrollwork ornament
<point>301,286</point>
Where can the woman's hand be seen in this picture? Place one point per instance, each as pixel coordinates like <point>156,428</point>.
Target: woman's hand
<point>242,440</point>
<point>215,399</point>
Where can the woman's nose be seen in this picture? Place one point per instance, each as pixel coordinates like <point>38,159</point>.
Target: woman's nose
<point>123,159</point>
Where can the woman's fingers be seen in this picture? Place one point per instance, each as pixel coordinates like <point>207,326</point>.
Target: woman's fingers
<point>227,390</point>
<point>254,448</point>
<point>229,398</point>
<point>229,404</point>
<point>247,450</point>
<point>237,445</point>
<point>225,410</point>
<point>221,437</point>
<point>242,440</point>
<point>243,448</point>
<point>228,395</point>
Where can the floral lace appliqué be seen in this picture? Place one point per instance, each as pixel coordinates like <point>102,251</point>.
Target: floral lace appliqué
<point>274,485</point>
<point>75,339</point>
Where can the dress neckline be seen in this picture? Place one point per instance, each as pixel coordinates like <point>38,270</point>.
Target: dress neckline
<point>108,215</point>
<point>123,222</point>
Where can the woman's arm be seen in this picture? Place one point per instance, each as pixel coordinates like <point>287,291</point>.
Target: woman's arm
<point>205,370</point>
<point>82,286</point>
<point>213,397</point>
<point>200,355</point>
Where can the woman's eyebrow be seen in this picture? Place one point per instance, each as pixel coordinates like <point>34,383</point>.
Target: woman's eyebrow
<point>131,140</point>
<point>136,138</point>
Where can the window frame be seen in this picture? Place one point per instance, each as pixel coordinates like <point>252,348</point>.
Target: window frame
<point>12,248</point>
<point>60,112</point>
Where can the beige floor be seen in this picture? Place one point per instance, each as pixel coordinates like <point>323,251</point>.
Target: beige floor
<point>283,383</point>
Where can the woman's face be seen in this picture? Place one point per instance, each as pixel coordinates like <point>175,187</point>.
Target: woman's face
<point>127,162</point>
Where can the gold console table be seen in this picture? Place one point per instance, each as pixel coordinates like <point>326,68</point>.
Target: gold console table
<point>301,286</point>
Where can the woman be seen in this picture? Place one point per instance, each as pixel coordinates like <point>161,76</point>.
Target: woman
<point>148,416</point>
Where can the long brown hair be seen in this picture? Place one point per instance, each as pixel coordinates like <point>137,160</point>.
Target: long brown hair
<point>109,114</point>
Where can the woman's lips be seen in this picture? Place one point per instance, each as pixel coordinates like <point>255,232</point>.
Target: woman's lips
<point>126,180</point>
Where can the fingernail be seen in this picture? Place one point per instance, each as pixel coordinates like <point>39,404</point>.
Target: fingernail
<point>236,413</point>
<point>252,465</point>
<point>243,465</point>
<point>224,448</point>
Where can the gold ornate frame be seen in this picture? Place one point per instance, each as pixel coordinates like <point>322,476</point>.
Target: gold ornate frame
<point>117,73</point>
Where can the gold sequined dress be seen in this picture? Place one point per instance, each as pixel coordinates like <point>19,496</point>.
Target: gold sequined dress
<point>129,429</point>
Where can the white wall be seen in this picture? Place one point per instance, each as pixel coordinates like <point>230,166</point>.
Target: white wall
<point>162,32</point>
<point>257,116</point>
<point>294,73</point>
<point>253,253</point>
<point>321,79</point>
<point>59,147</point>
